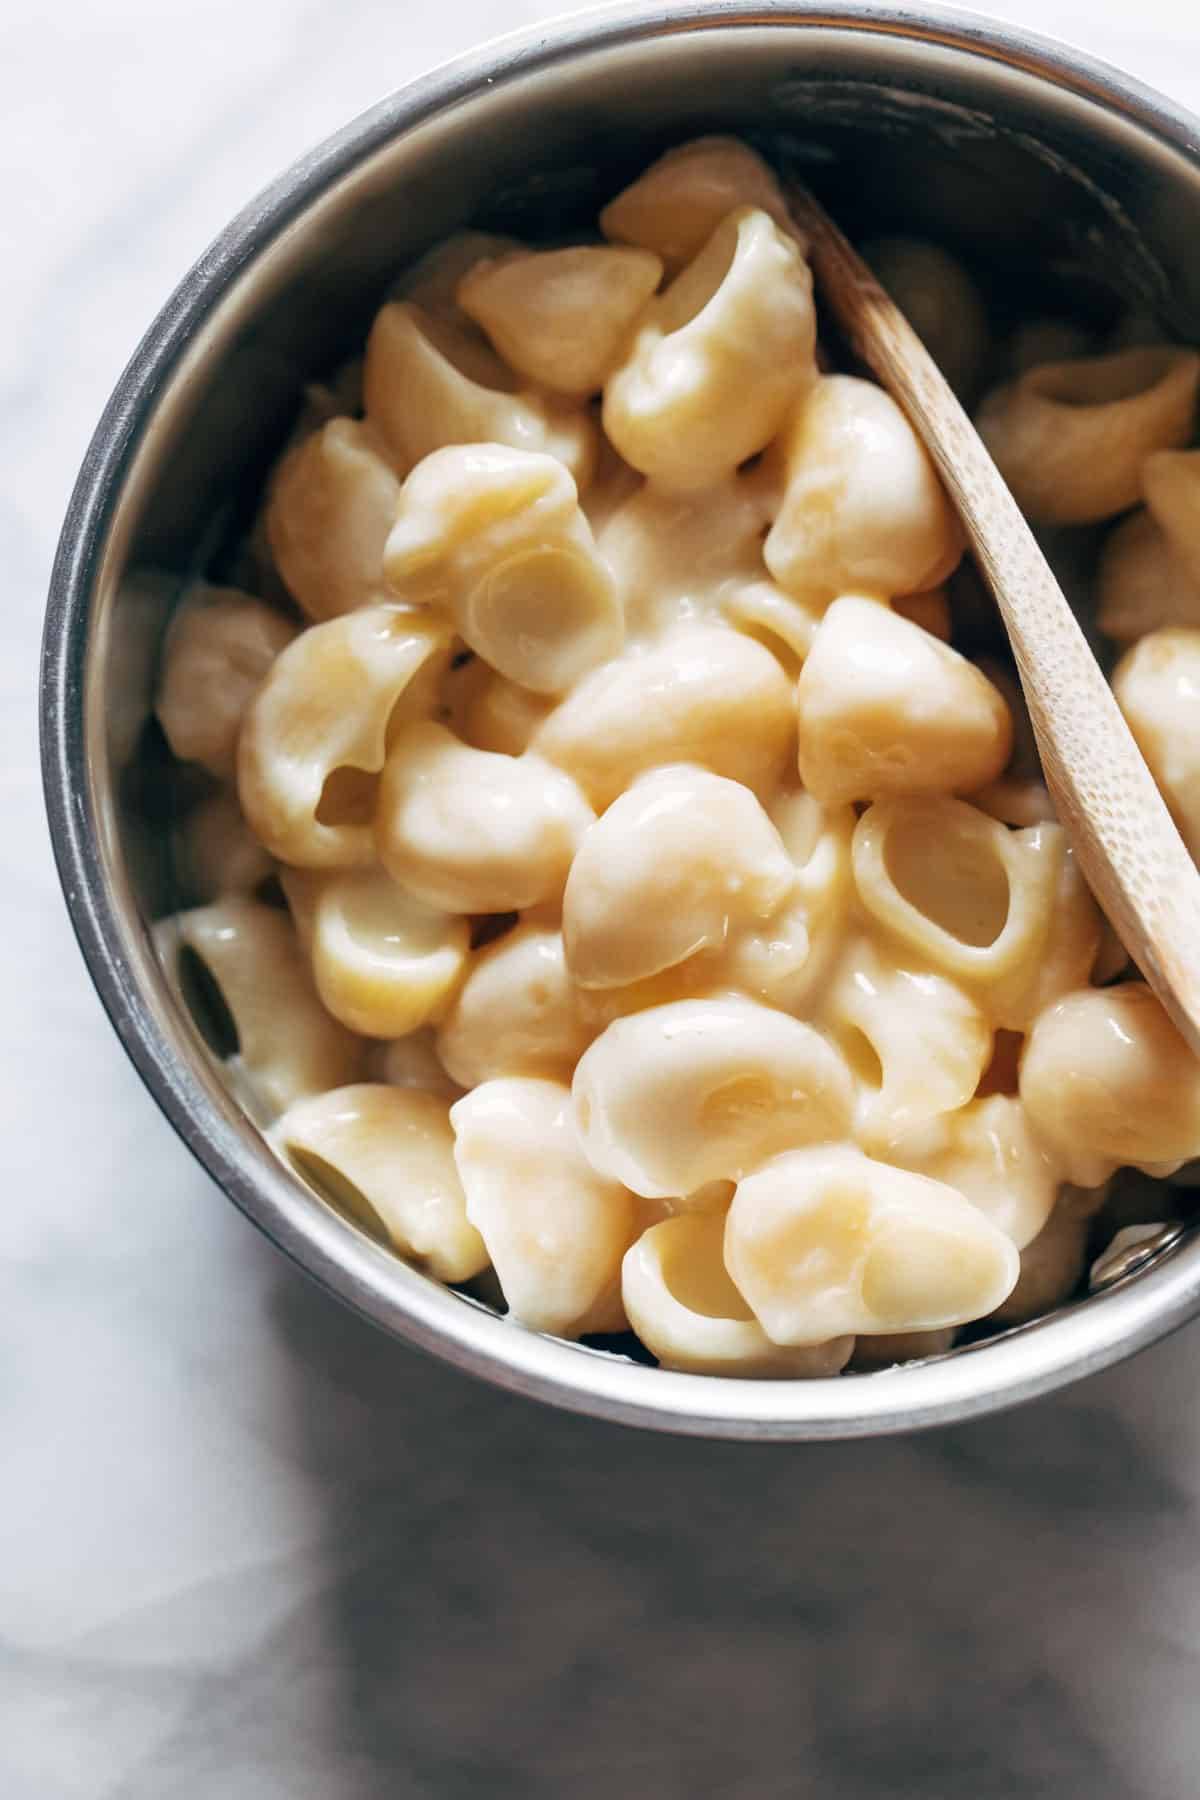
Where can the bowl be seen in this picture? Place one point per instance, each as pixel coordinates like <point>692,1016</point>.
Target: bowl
<point>1054,173</point>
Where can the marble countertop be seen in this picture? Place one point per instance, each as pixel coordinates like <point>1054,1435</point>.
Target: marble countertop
<point>250,1548</point>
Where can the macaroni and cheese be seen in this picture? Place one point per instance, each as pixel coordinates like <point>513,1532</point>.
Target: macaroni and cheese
<point>610,880</point>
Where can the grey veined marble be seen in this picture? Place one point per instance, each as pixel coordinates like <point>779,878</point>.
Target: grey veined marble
<point>249,1549</point>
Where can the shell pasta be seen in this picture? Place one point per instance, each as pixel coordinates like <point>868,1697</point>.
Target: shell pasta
<point>617,884</point>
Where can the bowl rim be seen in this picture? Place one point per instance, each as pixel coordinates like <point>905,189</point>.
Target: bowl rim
<point>970,1382</point>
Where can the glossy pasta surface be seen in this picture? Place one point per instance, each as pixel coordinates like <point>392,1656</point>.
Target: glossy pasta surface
<point>611,885</point>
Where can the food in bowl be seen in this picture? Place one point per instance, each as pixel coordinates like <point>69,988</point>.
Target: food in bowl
<point>615,887</point>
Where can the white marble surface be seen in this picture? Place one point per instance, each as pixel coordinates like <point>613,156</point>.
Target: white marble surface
<point>250,1549</point>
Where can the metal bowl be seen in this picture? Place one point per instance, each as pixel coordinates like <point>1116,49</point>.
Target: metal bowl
<point>1052,171</point>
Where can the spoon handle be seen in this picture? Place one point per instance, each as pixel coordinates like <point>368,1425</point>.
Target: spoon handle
<point>1127,844</point>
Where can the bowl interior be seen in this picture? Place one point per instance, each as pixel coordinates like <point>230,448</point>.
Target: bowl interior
<point>1059,202</point>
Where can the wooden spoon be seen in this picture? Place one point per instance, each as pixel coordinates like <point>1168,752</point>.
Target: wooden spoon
<point>1128,847</point>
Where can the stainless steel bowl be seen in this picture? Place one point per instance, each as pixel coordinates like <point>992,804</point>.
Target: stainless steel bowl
<point>1048,167</point>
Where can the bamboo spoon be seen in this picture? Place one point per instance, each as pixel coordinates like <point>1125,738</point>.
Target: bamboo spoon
<point>1128,847</point>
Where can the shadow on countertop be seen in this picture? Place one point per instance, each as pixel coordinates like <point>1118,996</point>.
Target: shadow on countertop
<point>515,1602</point>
